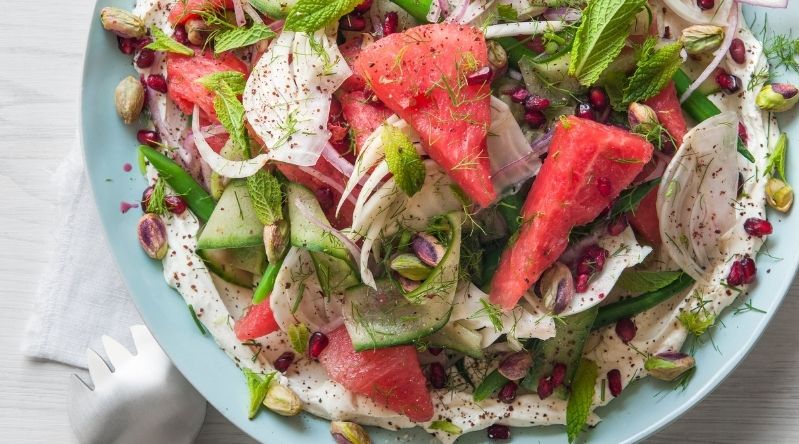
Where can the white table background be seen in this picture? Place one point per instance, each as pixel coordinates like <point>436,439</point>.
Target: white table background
<point>41,52</point>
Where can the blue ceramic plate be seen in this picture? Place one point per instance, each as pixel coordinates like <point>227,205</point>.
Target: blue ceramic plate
<point>643,408</point>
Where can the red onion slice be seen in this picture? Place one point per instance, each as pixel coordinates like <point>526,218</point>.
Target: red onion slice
<point>729,35</point>
<point>327,180</point>
<point>563,13</point>
<point>337,160</point>
<point>256,18</point>
<point>238,9</point>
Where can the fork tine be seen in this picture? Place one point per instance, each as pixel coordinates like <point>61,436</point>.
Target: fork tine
<point>143,339</point>
<point>98,369</point>
<point>78,384</point>
<point>116,352</point>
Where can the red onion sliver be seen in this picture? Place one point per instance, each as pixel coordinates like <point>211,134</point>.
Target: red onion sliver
<point>458,12</point>
<point>563,13</point>
<point>354,250</point>
<point>337,160</point>
<point>729,35</point>
<point>327,180</point>
<point>276,26</point>
<point>256,18</point>
<point>238,9</point>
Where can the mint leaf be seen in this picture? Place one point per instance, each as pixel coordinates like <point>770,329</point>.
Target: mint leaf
<point>654,70</point>
<point>234,79</point>
<point>228,85</point>
<point>507,13</point>
<point>446,426</point>
<point>310,15</point>
<point>580,399</point>
<point>403,161</point>
<point>257,385</point>
<point>637,281</point>
<point>241,37</point>
<point>776,160</point>
<point>298,336</point>
<point>162,42</point>
<point>601,36</point>
<point>267,198</point>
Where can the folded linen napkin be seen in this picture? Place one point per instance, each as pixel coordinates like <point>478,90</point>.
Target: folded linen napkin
<point>81,295</point>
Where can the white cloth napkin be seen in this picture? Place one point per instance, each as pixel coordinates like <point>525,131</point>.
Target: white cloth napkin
<point>81,295</point>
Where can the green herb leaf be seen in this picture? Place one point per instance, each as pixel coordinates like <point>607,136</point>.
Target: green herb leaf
<point>298,336</point>
<point>267,197</point>
<point>697,322</point>
<point>162,42</point>
<point>507,13</point>
<point>653,72</point>
<point>403,161</point>
<point>601,36</point>
<point>582,394</point>
<point>227,105</point>
<point>233,79</point>
<point>257,385</point>
<point>641,281</point>
<point>776,160</point>
<point>241,37</point>
<point>310,15</point>
<point>492,311</point>
<point>197,320</point>
<point>446,426</point>
<point>156,203</point>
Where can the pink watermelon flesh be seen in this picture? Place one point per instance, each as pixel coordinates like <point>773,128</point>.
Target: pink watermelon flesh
<point>423,76</point>
<point>390,376</point>
<point>566,194</point>
<point>363,115</point>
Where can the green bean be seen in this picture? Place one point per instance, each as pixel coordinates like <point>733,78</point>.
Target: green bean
<point>199,201</point>
<point>700,108</point>
<point>626,308</point>
<point>416,8</point>
<point>490,384</point>
<point>267,284</point>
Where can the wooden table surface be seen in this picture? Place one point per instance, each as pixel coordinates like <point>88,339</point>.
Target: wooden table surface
<point>41,51</point>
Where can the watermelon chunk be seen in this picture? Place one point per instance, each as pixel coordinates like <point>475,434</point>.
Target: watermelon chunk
<point>588,165</point>
<point>422,75</point>
<point>185,10</point>
<point>325,194</point>
<point>390,376</point>
<point>363,115</point>
<point>258,321</point>
<point>667,107</point>
<point>183,71</point>
<point>644,219</point>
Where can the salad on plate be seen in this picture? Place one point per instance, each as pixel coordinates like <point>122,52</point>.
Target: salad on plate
<point>453,214</point>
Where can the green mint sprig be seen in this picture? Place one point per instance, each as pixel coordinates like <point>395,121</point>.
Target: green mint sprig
<point>310,15</point>
<point>403,161</point>
<point>240,37</point>
<point>267,198</point>
<point>654,70</point>
<point>164,43</point>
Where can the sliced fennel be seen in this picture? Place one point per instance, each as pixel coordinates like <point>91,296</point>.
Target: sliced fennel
<point>697,196</point>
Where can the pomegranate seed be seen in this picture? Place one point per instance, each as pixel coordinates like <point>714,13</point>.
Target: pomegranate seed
<point>758,227</point>
<point>519,95</point>
<point>626,329</point>
<point>175,204</point>
<point>149,138</point>
<point>558,374</point>
<point>479,77</point>
<point>145,198</point>
<point>180,35</point>
<point>508,392</point>
<point>749,269</point>
<point>705,4</point>
<point>581,283</point>
<point>604,187</point>
<point>545,387</point>
<point>536,103</point>
<point>728,82</point>
<point>736,274</point>
<point>435,351</point>
<point>284,361</point>
<point>145,58</point>
<point>535,119</point>
<point>738,51</point>
<point>364,6</point>
<point>316,343</point>
<point>592,260</point>
<point>437,375</point>
<point>498,431</point>
<point>584,111</point>
<point>157,82</point>
<point>390,23</point>
<point>352,22</point>
<point>742,134</point>
<point>126,46</point>
<point>618,225</point>
<point>614,382</point>
<point>598,98</point>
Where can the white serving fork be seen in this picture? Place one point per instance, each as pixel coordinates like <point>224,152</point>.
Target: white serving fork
<point>144,399</point>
